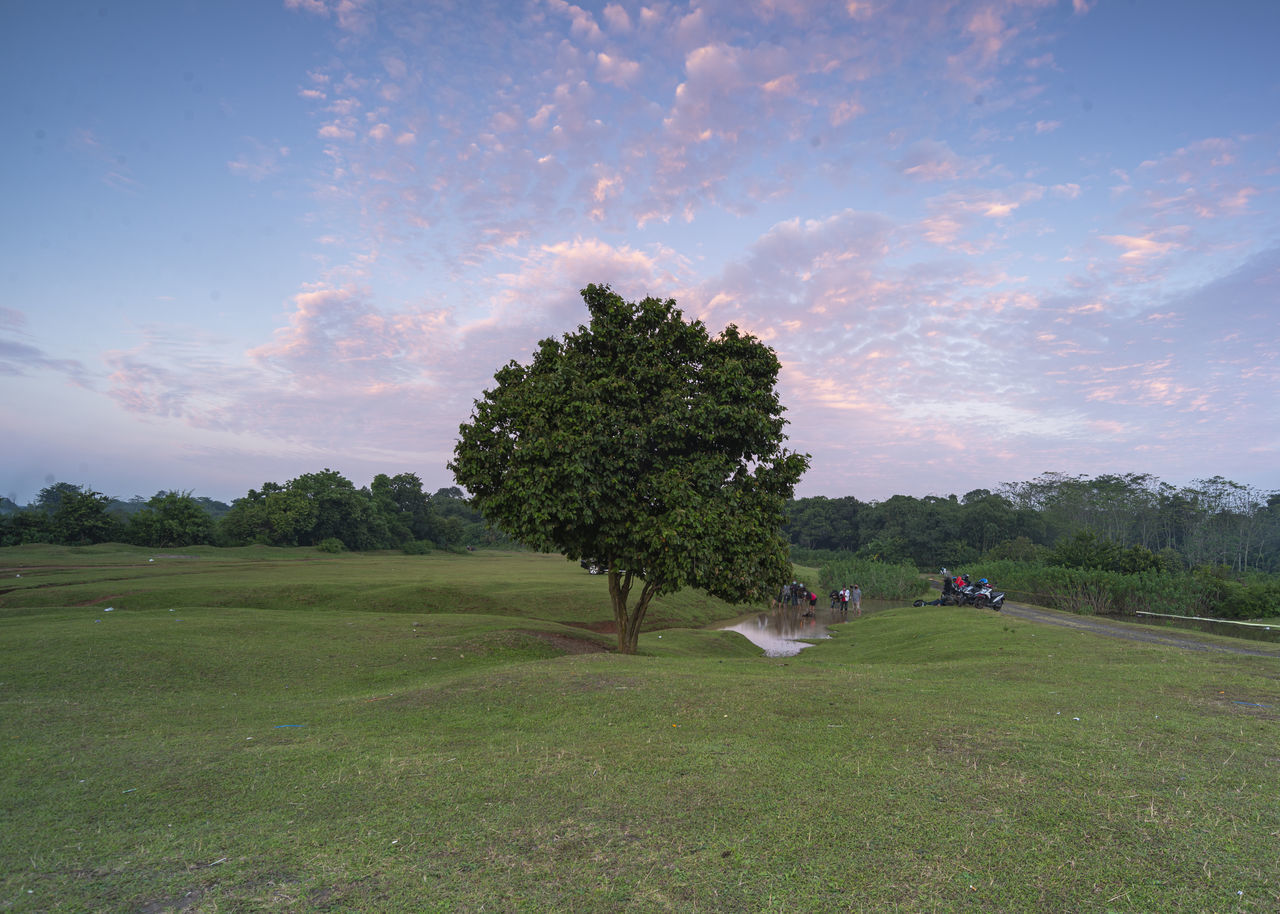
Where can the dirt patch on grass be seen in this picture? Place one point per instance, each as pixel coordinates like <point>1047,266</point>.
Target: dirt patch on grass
<point>603,627</point>
<point>110,596</point>
<point>568,643</point>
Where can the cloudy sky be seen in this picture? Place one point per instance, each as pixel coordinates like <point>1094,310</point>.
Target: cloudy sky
<point>249,239</point>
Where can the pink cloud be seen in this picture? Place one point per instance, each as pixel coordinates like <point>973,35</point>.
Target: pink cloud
<point>616,70</point>
<point>931,160</point>
<point>846,111</point>
<point>315,7</point>
<point>1139,248</point>
<point>616,18</point>
<point>335,132</point>
<point>355,16</point>
<point>583,24</point>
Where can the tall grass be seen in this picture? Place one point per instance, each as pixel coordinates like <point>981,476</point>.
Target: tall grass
<point>879,581</point>
<point>1093,591</point>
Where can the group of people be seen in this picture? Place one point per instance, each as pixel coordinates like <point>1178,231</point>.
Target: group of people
<point>847,596</point>
<point>798,594</point>
<point>952,585</point>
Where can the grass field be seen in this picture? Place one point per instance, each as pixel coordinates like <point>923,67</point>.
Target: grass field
<point>280,730</point>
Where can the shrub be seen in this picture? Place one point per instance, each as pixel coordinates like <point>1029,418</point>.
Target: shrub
<point>331,544</point>
<point>878,580</point>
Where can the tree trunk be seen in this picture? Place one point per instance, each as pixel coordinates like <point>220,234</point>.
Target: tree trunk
<point>628,620</point>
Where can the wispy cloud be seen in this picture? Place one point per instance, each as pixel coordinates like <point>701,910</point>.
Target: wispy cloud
<point>260,160</point>
<point>18,358</point>
<point>1138,248</point>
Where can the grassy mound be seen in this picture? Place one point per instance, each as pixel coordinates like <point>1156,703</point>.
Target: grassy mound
<point>264,731</point>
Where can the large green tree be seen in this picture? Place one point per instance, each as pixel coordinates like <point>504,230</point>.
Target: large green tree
<point>642,444</point>
<point>404,508</point>
<point>171,519</point>
<point>80,516</point>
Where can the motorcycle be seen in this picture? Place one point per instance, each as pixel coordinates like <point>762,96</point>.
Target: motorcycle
<point>981,595</point>
<point>952,594</point>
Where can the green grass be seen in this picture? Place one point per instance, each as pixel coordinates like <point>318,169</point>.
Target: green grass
<point>266,730</point>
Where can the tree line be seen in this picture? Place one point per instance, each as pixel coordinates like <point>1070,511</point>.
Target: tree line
<point>1123,523</point>
<point>323,509</point>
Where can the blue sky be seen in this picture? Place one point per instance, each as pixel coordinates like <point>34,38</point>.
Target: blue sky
<point>248,240</point>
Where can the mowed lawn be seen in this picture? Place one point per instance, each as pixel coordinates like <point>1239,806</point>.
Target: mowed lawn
<point>281,730</point>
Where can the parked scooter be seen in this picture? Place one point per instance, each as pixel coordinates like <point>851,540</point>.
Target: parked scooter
<point>952,592</point>
<point>983,595</point>
<point>960,592</point>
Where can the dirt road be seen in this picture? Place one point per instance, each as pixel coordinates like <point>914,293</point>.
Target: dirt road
<point>1191,641</point>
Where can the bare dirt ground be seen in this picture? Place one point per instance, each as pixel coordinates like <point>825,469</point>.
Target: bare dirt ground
<point>1191,641</point>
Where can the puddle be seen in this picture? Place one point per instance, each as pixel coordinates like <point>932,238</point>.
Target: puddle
<point>779,632</point>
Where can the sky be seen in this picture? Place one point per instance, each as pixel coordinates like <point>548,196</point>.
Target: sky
<point>249,239</point>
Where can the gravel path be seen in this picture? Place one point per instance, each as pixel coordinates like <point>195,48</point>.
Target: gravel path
<point>1135,632</point>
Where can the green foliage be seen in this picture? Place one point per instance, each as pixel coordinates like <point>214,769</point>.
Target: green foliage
<point>817,557</point>
<point>170,519</point>
<point>338,511</point>
<point>270,517</point>
<point>25,527</point>
<point>459,524</point>
<point>405,509</point>
<point>1207,593</point>
<point>1019,549</point>
<point>878,580</point>
<point>1211,521</point>
<point>925,531</point>
<point>330,545</point>
<point>66,514</point>
<point>643,445</point>
<point>52,495</point>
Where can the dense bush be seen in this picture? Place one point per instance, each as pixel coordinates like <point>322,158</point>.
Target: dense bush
<point>1207,593</point>
<point>878,580</point>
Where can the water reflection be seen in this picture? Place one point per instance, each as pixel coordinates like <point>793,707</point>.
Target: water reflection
<point>778,630</point>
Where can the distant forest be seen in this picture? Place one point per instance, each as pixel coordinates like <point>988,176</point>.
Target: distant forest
<point>1129,523</point>
<point>323,509</point>
<point>1123,523</point>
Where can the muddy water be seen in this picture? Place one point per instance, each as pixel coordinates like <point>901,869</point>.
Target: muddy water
<point>786,632</point>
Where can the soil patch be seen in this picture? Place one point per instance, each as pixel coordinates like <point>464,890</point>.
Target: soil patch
<point>568,643</point>
<point>603,627</point>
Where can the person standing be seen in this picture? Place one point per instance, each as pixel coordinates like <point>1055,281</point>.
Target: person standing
<point>844,599</point>
<point>855,597</point>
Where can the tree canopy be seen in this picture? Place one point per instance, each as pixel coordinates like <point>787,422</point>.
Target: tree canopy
<point>644,445</point>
